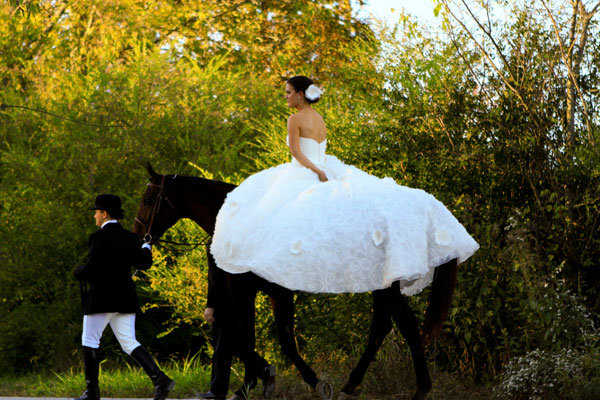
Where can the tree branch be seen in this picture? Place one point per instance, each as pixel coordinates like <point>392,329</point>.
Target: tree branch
<point>516,91</point>
<point>586,17</point>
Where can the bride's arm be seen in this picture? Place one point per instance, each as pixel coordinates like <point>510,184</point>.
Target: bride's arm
<point>293,126</point>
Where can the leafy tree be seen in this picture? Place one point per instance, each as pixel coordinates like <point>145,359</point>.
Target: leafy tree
<point>497,119</point>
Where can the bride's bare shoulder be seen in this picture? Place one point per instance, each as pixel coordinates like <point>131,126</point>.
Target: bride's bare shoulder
<point>294,119</point>
<point>320,117</point>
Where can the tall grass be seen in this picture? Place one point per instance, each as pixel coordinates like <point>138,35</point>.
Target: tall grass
<point>391,376</point>
<point>127,380</point>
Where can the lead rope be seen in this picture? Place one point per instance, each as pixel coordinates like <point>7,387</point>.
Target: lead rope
<point>173,249</point>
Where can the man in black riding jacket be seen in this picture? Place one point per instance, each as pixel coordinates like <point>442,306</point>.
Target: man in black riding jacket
<point>111,298</point>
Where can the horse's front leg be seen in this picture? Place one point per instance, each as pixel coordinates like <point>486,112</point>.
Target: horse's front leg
<point>381,325</point>
<point>408,325</point>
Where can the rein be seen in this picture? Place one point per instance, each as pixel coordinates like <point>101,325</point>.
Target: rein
<point>176,250</point>
<point>148,227</point>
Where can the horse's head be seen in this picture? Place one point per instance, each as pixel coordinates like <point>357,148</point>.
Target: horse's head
<point>157,211</point>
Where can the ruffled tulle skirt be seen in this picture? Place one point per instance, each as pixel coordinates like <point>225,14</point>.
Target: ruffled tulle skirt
<point>354,233</point>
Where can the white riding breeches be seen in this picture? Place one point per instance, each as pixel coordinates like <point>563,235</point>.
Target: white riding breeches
<point>122,325</point>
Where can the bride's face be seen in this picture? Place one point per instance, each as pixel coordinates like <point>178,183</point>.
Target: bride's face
<point>292,97</point>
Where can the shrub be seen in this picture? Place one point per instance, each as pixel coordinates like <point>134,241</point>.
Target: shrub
<point>566,374</point>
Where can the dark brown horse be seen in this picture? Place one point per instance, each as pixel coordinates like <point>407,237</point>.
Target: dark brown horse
<point>172,197</point>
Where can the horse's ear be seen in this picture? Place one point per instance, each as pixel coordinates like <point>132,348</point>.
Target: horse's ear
<point>154,176</point>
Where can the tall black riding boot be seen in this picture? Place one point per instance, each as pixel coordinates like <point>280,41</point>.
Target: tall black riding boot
<point>91,365</point>
<point>162,383</point>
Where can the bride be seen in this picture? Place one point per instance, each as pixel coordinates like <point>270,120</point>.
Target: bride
<point>316,224</point>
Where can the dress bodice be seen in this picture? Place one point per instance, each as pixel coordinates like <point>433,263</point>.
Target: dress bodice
<point>312,149</point>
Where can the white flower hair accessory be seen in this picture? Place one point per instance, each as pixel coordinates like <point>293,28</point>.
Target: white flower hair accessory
<point>312,92</point>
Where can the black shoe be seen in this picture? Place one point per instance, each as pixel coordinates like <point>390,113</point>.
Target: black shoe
<point>242,393</point>
<point>211,395</point>
<point>90,394</point>
<point>268,379</point>
<point>162,383</point>
<point>91,368</point>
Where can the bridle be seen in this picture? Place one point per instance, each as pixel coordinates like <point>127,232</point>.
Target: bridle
<point>159,198</point>
<point>155,210</point>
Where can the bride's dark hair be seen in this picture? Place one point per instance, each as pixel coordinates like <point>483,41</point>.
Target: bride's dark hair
<point>300,84</point>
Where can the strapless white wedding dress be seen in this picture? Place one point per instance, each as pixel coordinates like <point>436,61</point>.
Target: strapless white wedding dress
<point>354,233</point>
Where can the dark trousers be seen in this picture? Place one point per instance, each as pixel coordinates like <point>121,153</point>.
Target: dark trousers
<point>234,335</point>
<point>222,356</point>
<point>243,288</point>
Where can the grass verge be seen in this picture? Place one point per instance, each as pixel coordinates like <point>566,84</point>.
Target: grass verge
<point>391,376</point>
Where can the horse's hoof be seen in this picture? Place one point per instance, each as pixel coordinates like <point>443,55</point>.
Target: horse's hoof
<point>420,395</point>
<point>324,390</point>
<point>346,396</point>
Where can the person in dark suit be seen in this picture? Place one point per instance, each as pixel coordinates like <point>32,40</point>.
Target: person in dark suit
<point>111,298</point>
<point>233,334</point>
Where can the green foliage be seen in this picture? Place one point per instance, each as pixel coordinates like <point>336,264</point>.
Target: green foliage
<point>180,282</point>
<point>568,367</point>
<point>561,374</point>
<point>52,170</point>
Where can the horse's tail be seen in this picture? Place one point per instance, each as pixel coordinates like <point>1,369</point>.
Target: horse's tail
<point>440,299</point>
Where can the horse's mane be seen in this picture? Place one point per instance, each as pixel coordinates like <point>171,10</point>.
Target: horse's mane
<point>197,181</point>
<point>204,197</point>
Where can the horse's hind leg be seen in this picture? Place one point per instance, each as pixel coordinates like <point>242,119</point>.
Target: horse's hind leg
<point>283,309</point>
<point>381,325</point>
<point>408,325</point>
